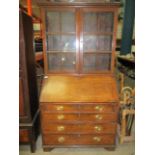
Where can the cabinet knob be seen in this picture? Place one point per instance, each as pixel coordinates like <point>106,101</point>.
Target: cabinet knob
<point>60,107</point>
<point>99,117</point>
<point>60,128</point>
<point>98,128</point>
<point>60,117</point>
<point>99,108</point>
<point>97,139</point>
<point>61,139</point>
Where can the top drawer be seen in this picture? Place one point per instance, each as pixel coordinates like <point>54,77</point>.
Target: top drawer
<point>79,107</point>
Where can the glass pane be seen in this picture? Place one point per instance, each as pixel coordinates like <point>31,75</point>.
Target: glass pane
<point>61,61</point>
<point>105,22</point>
<point>97,62</point>
<point>89,43</point>
<point>68,21</point>
<point>61,43</point>
<point>97,43</point>
<point>105,43</point>
<point>90,22</point>
<point>98,22</point>
<point>60,21</point>
<point>52,22</point>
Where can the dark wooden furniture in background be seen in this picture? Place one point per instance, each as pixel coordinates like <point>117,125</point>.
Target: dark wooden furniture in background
<point>28,93</point>
<point>79,101</point>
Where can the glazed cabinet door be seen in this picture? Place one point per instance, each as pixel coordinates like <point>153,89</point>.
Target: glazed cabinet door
<point>97,37</point>
<point>60,35</point>
<point>79,40</point>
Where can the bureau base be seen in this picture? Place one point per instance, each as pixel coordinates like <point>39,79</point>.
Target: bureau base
<point>50,148</point>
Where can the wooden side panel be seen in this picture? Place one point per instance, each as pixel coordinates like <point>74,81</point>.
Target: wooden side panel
<point>23,86</point>
<point>23,135</point>
<point>30,64</point>
<point>21,99</point>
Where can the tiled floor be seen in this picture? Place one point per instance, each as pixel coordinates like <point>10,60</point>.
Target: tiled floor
<point>124,149</point>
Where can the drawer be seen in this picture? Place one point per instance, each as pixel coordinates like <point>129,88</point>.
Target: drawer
<point>107,117</point>
<point>49,139</point>
<point>23,135</point>
<point>109,128</point>
<point>59,108</point>
<point>97,108</point>
<point>47,117</point>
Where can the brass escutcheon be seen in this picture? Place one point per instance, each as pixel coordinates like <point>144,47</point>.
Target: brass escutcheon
<point>97,139</point>
<point>98,128</point>
<point>60,128</point>
<point>60,107</point>
<point>98,107</point>
<point>60,117</point>
<point>99,117</point>
<point>61,139</point>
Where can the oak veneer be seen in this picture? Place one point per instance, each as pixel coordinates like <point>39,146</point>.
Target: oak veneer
<point>79,100</point>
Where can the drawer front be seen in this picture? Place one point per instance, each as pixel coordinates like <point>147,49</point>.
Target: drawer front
<point>23,135</point>
<point>60,108</point>
<point>49,139</point>
<point>109,128</point>
<point>111,117</point>
<point>97,108</point>
<point>47,117</point>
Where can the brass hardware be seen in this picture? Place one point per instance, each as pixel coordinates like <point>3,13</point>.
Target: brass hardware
<point>97,139</point>
<point>60,128</point>
<point>99,117</point>
<point>61,139</point>
<point>98,128</point>
<point>60,117</point>
<point>98,107</point>
<point>60,107</point>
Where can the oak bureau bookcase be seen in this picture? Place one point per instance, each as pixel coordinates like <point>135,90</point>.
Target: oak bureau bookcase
<point>79,100</point>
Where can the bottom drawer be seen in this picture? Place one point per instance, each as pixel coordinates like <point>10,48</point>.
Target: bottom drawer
<point>78,139</point>
<point>23,135</point>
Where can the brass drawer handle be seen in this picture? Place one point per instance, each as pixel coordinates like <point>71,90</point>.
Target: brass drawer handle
<point>97,139</point>
<point>60,117</point>
<point>98,128</point>
<point>61,139</point>
<point>60,107</point>
<point>60,128</point>
<point>99,117</point>
<point>98,107</point>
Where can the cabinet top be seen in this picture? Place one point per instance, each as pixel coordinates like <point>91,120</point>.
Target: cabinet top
<point>78,2</point>
<point>79,89</point>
